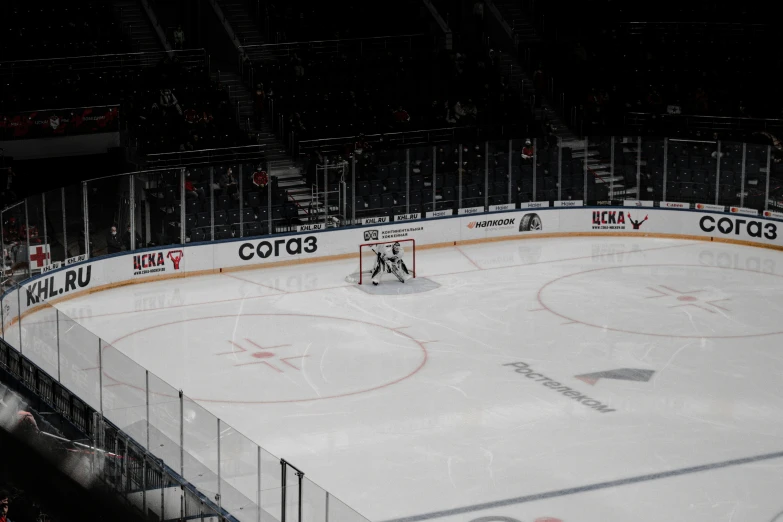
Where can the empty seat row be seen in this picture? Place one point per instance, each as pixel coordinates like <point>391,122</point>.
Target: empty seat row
<point>227,232</point>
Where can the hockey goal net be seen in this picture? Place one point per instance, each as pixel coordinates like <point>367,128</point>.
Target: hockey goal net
<point>362,274</point>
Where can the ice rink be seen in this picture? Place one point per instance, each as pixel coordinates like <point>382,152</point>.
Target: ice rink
<point>580,379</point>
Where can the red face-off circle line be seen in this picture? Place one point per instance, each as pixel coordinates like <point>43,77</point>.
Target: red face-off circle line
<point>309,316</point>
<point>620,330</point>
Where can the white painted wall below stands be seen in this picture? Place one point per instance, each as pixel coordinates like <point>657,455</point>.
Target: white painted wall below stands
<point>180,261</point>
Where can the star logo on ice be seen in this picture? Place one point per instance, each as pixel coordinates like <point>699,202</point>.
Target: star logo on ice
<point>621,374</point>
<point>261,355</point>
<point>687,299</point>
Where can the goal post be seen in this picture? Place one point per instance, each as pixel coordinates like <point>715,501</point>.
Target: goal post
<point>367,256</point>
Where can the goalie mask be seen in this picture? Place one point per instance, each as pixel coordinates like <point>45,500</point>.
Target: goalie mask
<point>396,248</point>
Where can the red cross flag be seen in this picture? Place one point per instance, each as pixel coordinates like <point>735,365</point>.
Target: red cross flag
<point>39,256</point>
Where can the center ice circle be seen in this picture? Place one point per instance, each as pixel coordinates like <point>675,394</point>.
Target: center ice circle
<point>687,301</point>
<point>277,358</point>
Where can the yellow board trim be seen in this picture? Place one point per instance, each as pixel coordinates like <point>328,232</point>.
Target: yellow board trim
<point>323,259</point>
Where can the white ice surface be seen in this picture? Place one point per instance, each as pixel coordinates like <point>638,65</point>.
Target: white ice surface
<point>402,406</point>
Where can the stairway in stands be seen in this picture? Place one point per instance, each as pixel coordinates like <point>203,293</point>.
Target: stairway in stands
<point>236,18</point>
<point>242,22</point>
<point>135,21</point>
<point>280,164</point>
<point>621,185</point>
<point>523,30</point>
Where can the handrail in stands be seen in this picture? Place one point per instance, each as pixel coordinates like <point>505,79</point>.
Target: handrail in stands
<point>103,61</point>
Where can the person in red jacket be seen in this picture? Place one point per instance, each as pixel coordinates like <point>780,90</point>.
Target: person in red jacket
<point>191,191</point>
<point>4,501</point>
<point>400,115</point>
<point>527,151</point>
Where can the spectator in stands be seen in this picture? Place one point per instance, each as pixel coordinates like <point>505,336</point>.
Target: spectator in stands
<point>471,112</point>
<point>400,116</point>
<point>206,118</point>
<point>527,151</point>
<point>259,98</point>
<point>260,178</point>
<point>228,183</point>
<point>459,112</point>
<point>191,116</point>
<point>4,502</point>
<point>168,101</point>
<point>478,17</point>
<point>191,190</point>
<point>126,239</point>
<point>179,38</point>
<point>113,243</point>
<point>297,64</point>
<point>361,145</point>
<point>702,101</point>
<point>6,185</point>
<point>26,425</point>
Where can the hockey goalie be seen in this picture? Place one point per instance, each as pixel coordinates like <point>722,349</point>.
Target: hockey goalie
<point>389,260</point>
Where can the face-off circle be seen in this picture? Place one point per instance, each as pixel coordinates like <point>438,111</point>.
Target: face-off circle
<point>681,301</point>
<point>274,358</point>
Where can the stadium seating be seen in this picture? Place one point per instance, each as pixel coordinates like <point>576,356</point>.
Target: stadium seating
<point>348,93</point>
<point>306,20</point>
<point>693,59</point>
<point>33,29</point>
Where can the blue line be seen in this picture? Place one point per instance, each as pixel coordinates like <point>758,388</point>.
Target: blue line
<point>589,487</point>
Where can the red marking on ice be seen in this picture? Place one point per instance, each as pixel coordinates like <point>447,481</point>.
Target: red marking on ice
<point>262,355</point>
<point>296,357</point>
<point>679,292</point>
<point>468,258</point>
<point>232,351</point>
<point>265,347</point>
<point>381,386</point>
<point>718,301</point>
<point>695,306</point>
<point>687,298</point>
<point>589,380</point>
<point>262,362</point>
<point>655,334</point>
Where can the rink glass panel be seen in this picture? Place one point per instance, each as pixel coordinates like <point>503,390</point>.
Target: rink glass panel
<point>11,320</point>
<point>74,229</point>
<point>730,178</point>
<point>79,360</point>
<point>338,510</point>
<point>124,393</point>
<point>497,172</point>
<point>162,211</point>
<point>270,496</point>
<point>200,442</point>
<point>165,422</point>
<point>109,206</point>
<point>754,189</point>
<point>239,474</point>
<point>53,206</point>
<point>40,337</point>
<point>423,170</point>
